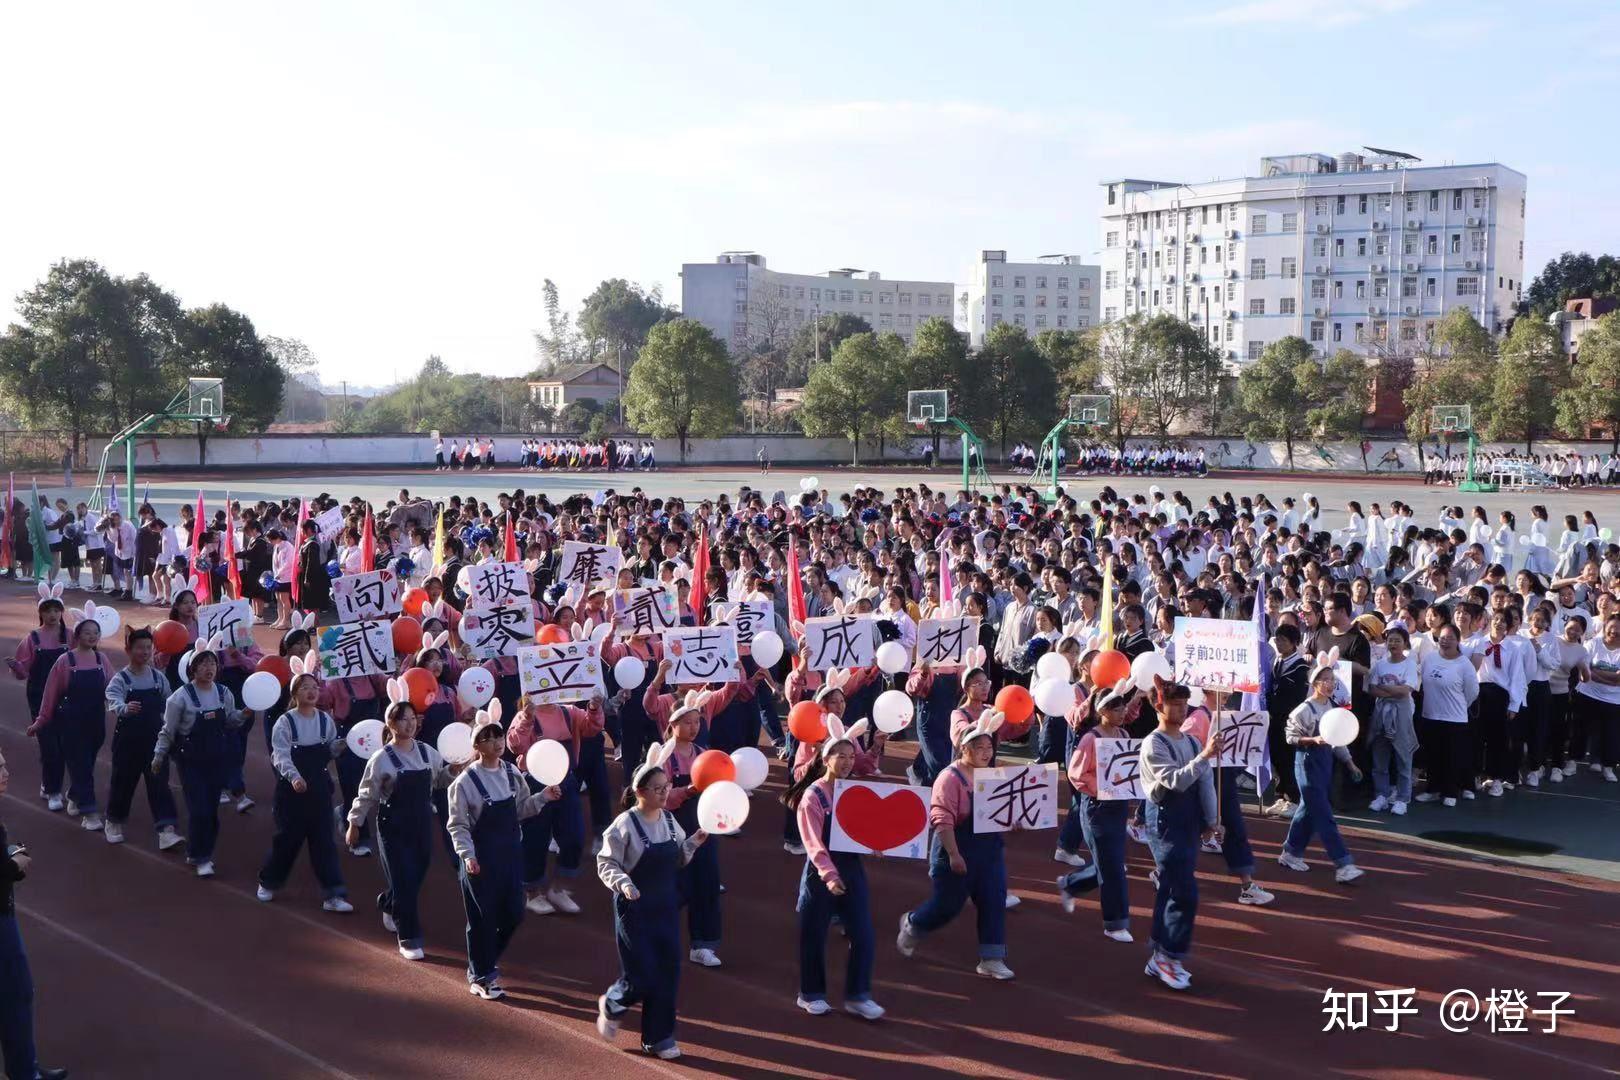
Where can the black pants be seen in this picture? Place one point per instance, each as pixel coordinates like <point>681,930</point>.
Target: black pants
<point>1556,750</point>
<point>1534,723</point>
<point>131,766</point>
<point>1494,754</point>
<point>1282,760</point>
<point>1450,751</point>
<point>1603,730</point>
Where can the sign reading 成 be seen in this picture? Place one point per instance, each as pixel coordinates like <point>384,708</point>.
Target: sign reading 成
<point>360,597</point>
<point>1218,654</point>
<point>498,630</point>
<point>870,817</point>
<point>586,564</point>
<point>231,620</point>
<point>1119,763</point>
<point>570,671</point>
<point>1012,797</point>
<point>946,642</point>
<point>645,611</point>
<point>492,583</point>
<point>355,649</point>
<point>1243,738</point>
<point>701,654</point>
<point>750,617</point>
<point>840,641</point>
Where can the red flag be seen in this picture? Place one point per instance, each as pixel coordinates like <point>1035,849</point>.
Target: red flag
<point>947,587</point>
<point>510,554</point>
<point>199,580</point>
<point>368,546</point>
<point>700,570</point>
<point>5,536</point>
<point>297,542</point>
<point>797,612</point>
<point>227,550</point>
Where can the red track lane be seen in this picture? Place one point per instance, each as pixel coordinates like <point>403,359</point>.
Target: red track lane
<point>144,971</point>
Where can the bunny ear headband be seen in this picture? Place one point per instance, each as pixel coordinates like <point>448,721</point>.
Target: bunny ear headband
<point>308,664</point>
<point>694,702</point>
<point>489,714</point>
<point>1324,662</point>
<point>76,615</point>
<point>838,733</point>
<point>397,692</point>
<point>1119,695</point>
<point>657,754</point>
<point>49,594</point>
<point>989,723</point>
<point>306,621</point>
<point>836,680</point>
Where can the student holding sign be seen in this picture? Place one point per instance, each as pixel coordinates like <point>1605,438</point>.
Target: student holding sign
<point>700,878</point>
<point>1234,841</point>
<point>351,700</point>
<point>832,884</point>
<point>963,864</point>
<point>1103,820</point>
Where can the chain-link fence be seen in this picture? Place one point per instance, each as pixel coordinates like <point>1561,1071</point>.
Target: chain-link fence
<point>35,450</point>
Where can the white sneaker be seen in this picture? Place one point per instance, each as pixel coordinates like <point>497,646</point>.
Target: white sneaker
<point>1495,789</point>
<point>114,833</point>
<point>92,823</point>
<point>336,904</point>
<point>1555,776</point>
<point>1533,778</point>
<point>792,849</point>
<point>1068,858</point>
<point>1164,969</point>
<point>669,1053</point>
<point>1136,832</point>
<point>705,957</point>
<point>814,1008</point>
<point>1344,875</point>
<point>907,941</point>
<point>73,807</point>
<point>994,969</point>
<point>1468,793</point>
<point>1013,900</point>
<point>205,868</point>
<point>1608,774</point>
<point>1064,898</point>
<point>1119,935</point>
<point>411,952</point>
<point>606,1026</point>
<point>563,901</point>
<point>264,895</point>
<point>224,797</point>
<point>244,804</point>
<point>1398,808</point>
<point>1293,862</point>
<point>1378,805</point>
<point>389,924</point>
<point>1596,767</point>
<point>1252,893</point>
<point>1426,796</point>
<point>168,838</point>
<point>866,1010</point>
<point>490,991</point>
<point>1153,878</point>
<point>360,851</point>
<point>1448,801</point>
<point>1569,767</point>
<point>1211,846</point>
<point>540,905</point>
<point>1280,808</point>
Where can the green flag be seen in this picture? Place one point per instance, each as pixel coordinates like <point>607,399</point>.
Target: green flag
<point>36,533</point>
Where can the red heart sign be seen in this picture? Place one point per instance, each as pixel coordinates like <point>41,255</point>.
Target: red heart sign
<point>881,822</point>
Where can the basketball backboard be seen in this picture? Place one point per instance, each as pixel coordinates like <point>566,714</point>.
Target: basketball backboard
<point>1453,419</point>
<point>205,397</point>
<point>927,406</point>
<point>1090,408</point>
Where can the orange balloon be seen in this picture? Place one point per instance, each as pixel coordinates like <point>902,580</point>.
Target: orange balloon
<point>1016,704</point>
<point>407,634</point>
<point>413,600</point>
<point>552,634</point>
<point>710,767</point>
<point>807,723</point>
<point>1110,666</point>
<point>277,666</point>
<point>421,685</point>
<point>170,637</point>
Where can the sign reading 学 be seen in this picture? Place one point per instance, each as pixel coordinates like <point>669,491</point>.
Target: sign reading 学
<point>1118,768</point>
<point>360,597</point>
<point>1218,654</point>
<point>552,674</point>
<point>701,654</point>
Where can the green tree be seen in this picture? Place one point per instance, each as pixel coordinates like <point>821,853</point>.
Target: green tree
<point>1073,357</point>
<point>221,343</point>
<point>1525,385</point>
<point>1120,348</point>
<point>1455,366</point>
<point>938,360</point>
<point>1289,394</point>
<point>683,384</point>
<point>1592,397</point>
<point>1570,277</point>
<point>1180,372</point>
<point>852,394</point>
<point>1017,389</point>
<point>54,365</point>
<point>819,337</point>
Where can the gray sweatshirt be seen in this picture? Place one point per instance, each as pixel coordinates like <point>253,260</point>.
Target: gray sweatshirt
<point>292,729</point>
<point>622,846</point>
<point>126,682</point>
<point>377,785</point>
<point>466,804</point>
<point>1171,763</point>
<point>180,716</point>
<point>1305,722</point>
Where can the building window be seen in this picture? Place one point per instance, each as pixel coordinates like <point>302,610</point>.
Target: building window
<point>1063,301</point>
<point>742,307</point>
<point>1361,204</point>
<point>1456,244</point>
<point>1218,253</point>
<point>1411,202</point>
<point>798,314</point>
<point>1257,307</point>
<point>815,294</point>
<point>1316,331</point>
<point>886,319</point>
<point>1018,282</point>
<point>995,300</point>
<point>798,292</point>
<point>1319,247</point>
<point>1040,282</point>
<point>944,299</point>
<point>1338,205</point>
<point>1381,244</point>
<point>1040,320</point>
<point>1063,283</point>
<point>1383,201</point>
<point>1110,313</point>
<point>1433,246</point>
<point>1434,200</point>
<point>1408,331</point>
<point>1130,260</point>
<point>1476,242</point>
<point>1084,284</point>
<point>1084,303</point>
<point>885,298</point>
<point>996,320</point>
<point>1111,279</point>
<point>1040,299</point>
<point>1063,320</point>
<point>1155,297</point>
<point>1361,290</point>
<point>1361,247</point>
<point>1255,349</point>
<point>866,296</point>
<point>1456,199</point>
<point>782,291</point>
<point>924,299</point>
<point>1290,223</point>
<point>1321,205</point>
<point>1361,333</point>
<point>846,295</point>
<point>905,298</point>
<point>1468,286</point>
<point>1409,288</point>
<point>1380,287</point>
<point>1217,294</point>
<point>1338,331</point>
<point>995,282</point>
<point>1257,223</point>
<point>1290,268</point>
<point>1257,269</point>
<point>1018,300</point>
<point>1338,247</point>
<point>1018,320</point>
<point>1318,289</point>
<point>1429,287</point>
<point>1479,198</point>
<point>1285,306</point>
<point>1409,244</point>
<point>1338,290</point>
<point>1112,239</point>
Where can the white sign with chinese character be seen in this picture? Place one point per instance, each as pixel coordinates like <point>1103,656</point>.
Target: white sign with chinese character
<point>1218,654</point>
<point>552,674</point>
<point>750,617</point>
<point>356,649</point>
<point>946,643</point>
<point>498,630</point>
<point>701,654</point>
<point>231,620</point>
<point>1243,738</point>
<point>586,564</point>
<point>840,641</point>
<point>645,611</point>
<point>328,522</point>
<point>359,597</point>
<point>1015,797</point>
<point>494,583</point>
<point>1119,763</point>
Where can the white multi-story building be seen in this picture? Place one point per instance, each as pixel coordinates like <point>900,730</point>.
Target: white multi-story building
<point>1356,252</point>
<point>1056,292</point>
<point>742,302</point>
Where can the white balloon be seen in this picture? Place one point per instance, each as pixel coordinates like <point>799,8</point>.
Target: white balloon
<point>628,672</point>
<point>1054,697</point>
<point>547,762</point>
<point>767,648</point>
<point>1052,665</point>
<point>752,768</point>
<point>475,687</point>
<point>1524,542</point>
<point>892,711</point>
<point>892,658</point>
<point>815,482</point>
<point>456,743</point>
<point>722,808</point>
<point>107,618</point>
<point>1339,727</point>
<point>366,737</point>
<point>1149,664</point>
<point>805,483</point>
<point>600,633</point>
<point>260,691</point>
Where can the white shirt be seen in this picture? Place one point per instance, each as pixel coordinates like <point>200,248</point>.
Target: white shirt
<point>1599,655</point>
<point>1510,669</point>
<point>1449,687</point>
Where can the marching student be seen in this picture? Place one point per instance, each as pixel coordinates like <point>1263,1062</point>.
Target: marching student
<point>562,821</point>
<point>352,699</point>
<point>833,884</point>
<point>700,877</point>
<point>1103,820</point>
<point>304,740</point>
<point>196,727</point>
<point>182,610</point>
<point>642,854</point>
<point>136,697</point>
<point>1233,843</point>
<point>1313,768</point>
<point>398,785</point>
<point>236,663</point>
<point>488,802</point>
<point>37,652</point>
<point>75,703</point>
<point>963,864</point>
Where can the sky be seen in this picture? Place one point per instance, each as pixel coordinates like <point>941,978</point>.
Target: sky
<point>389,181</point>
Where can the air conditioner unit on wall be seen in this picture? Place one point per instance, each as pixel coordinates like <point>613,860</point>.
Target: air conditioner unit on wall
<point>1320,313</point>
<point>1473,222</point>
<point>1472,264</point>
<point>1322,228</point>
<point>1378,226</point>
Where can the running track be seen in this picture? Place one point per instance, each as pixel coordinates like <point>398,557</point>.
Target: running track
<point>144,971</point>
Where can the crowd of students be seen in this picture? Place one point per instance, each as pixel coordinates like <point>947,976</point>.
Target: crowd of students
<point>549,454</point>
<point>1474,660</point>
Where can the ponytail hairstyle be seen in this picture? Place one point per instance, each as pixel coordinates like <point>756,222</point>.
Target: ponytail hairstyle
<point>795,792</point>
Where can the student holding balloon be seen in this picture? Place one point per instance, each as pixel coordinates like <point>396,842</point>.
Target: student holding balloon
<point>562,820</point>
<point>352,699</point>
<point>699,878</point>
<point>1313,767</point>
<point>196,727</point>
<point>633,662</point>
<point>173,635</point>
<point>236,664</point>
<point>135,697</point>
<point>304,740</point>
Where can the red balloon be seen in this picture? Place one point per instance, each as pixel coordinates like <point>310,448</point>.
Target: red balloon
<point>710,767</point>
<point>807,722</point>
<point>552,634</point>
<point>413,600</point>
<point>170,637</point>
<point>1108,667</point>
<point>1016,704</point>
<point>277,666</point>
<point>407,634</point>
<point>421,685</point>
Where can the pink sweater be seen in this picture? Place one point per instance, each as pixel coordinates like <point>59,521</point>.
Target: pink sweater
<point>812,817</point>
<point>952,800</point>
<point>56,683</point>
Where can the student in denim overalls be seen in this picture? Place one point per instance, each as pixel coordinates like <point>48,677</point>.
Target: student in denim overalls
<point>36,653</point>
<point>196,728</point>
<point>303,744</point>
<point>135,697</point>
<point>74,707</point>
